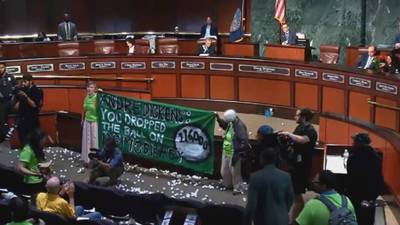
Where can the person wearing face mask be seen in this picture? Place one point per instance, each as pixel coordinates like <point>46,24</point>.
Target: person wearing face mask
<point>29,100</point>
<point>235,142</point>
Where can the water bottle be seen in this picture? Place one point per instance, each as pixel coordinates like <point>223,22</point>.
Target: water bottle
<point>345,157</point>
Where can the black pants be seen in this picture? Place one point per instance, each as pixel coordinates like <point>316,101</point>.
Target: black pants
<point>5,108</point>
<point>113,174</point>
<point>26,126</point>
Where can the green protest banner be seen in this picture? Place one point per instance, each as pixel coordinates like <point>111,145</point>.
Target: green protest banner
<point>162,132</point>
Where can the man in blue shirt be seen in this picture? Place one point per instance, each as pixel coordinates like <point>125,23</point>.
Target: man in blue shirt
<point>108,162</point>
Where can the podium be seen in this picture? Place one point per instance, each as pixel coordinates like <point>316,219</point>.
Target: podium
<point>287,52</point>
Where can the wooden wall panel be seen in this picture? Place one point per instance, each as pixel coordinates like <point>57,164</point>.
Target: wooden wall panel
<point>107,83</point>
<point>164,85</point>
<point>55,99</point>
<point>386,117</point>
<point>136,85</point>
<point>264,91</point>
<point>336,132</point>
<point>75,99</point>
<point>306,95</point>
<point>333,100</point>
<point>193,86</point>
<point>222,88</point>
<point>358,106</point>
<point>72,82</point>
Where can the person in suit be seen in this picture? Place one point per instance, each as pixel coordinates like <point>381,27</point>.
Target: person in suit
<point>288,37</point>
<point>206,49</point>
<point>270,193</point>
<point>369,60</point>
<point>397,37</point>
<point>67,30</point>
<point>209,30</point>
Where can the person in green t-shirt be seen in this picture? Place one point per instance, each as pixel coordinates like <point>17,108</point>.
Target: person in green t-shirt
<point>235,142</point>
<point>315,212</point>
<point>29,158</point>
<point>89,122</point>
<point>19,212</point>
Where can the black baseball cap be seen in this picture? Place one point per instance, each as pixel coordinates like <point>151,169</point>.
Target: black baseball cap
<point>27,77</point>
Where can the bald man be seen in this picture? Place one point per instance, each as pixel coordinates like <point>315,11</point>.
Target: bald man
<point>52,201</point>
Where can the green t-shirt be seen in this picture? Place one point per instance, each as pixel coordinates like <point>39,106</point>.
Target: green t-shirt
<point>89,106</point>
<point>20,223</point>
<point>28,157</point>
<point>227,146</point>
<point>316,213</point>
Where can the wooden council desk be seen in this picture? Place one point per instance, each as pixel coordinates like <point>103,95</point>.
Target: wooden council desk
<point>287,52</point>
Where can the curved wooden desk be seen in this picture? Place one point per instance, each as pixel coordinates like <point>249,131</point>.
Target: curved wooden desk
<point>250,85</point>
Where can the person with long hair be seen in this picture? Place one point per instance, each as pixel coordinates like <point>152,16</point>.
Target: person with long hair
<point>89,122</point>
<point>29,158</point>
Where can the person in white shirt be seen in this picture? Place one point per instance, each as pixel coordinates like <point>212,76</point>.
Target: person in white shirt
<point>369,61</point>
<point>131,46</point>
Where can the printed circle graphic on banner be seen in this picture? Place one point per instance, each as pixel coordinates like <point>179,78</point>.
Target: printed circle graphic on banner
<point>192,143</point>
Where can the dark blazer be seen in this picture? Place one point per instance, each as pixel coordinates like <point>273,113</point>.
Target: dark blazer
<point>270,197</point>
<point>213,30</point>
<point>292,40</point>
<point>240,137</point>
<point>363,60</point>
<point>210,51</point>
<point>62,33</point>
<point>397,38</point>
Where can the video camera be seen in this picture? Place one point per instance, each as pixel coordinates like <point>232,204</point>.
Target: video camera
<point>94,153</point>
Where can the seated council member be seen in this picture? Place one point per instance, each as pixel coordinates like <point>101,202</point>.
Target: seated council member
<point>209,30</point>
<point>369,60</point>
<point>108,162</point>
<point>288,37</point>
<point>206,49</point>
<point>130,45</point>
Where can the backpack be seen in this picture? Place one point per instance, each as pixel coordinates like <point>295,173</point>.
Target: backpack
<point>339,215</point>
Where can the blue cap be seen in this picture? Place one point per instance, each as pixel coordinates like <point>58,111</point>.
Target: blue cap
<point>265,130</point>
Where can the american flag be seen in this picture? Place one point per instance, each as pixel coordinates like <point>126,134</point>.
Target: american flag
<point>280,6</point>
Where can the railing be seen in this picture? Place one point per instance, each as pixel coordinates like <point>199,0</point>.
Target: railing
<point>383,105</point>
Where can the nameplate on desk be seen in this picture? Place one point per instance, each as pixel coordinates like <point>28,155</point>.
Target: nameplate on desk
<point>387,88</point>
<point>133,65</point>
<point>163,64</point>
<point>13,69</point>
<point>221,66</point>
<point>264,69</point>
<point>309,74</point>
<point>72,66</point>
<point>187,65</point>
<point>332,77</point>
<point>360,82</point>
<point>103,65</point>
<point>35,68</point>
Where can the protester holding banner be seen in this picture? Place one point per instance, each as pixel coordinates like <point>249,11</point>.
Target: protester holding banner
<point>235,142</point>
<point>89,122</point>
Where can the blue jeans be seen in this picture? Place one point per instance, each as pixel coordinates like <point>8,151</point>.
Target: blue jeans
<point>80,212</point>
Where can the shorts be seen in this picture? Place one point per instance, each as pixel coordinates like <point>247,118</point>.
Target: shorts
<point>300,176</point>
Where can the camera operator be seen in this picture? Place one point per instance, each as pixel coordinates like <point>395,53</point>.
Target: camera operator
<point>29,100</point>
<point>7,85</point>
<point>108,162</point>
<point>304,138</point>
